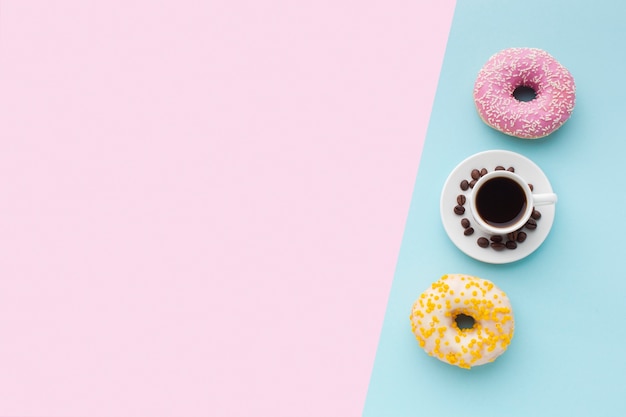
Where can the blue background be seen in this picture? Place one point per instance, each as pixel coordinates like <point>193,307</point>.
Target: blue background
<point>569,297</point>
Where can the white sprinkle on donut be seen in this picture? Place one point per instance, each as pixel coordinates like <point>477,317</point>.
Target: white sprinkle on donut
<point>504,72</point>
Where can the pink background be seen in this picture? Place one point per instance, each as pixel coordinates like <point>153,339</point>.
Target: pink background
<point>201,203</point>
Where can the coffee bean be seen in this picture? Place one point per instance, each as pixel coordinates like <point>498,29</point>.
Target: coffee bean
<point>472,183</point>
<point>475,174</point>
<point>512,235</point>
<point>510,244</point>
<point>459,210</point>
<point>483,172</point>
<point>499,168</point>
<point>531,187</point>
<point>531,224</point>
<point>510,169</point>
<point>460,199</point>
<point>536,214</point>
<point>521,236</point>
<point>483,242</point>
<point>468,231</point>
<point>496,238</point>
<point>464,185</point>
<point>465,222</point>
<point>498,246</point>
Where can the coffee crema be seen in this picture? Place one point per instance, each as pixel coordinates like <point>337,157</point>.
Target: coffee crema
<point>501,202</point>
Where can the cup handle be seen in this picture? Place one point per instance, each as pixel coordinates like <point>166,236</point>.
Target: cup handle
<point>544,199</point>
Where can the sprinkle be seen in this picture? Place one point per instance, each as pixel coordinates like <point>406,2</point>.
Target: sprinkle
<point>524,67</point>
<point>441,338</point>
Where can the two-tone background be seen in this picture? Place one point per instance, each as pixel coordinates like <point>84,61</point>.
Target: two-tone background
<point>215,208</point>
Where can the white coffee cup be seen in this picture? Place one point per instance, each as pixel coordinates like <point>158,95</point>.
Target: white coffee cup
<point>501,202</point>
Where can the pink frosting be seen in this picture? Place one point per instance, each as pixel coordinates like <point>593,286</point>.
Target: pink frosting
<point>529,67</point>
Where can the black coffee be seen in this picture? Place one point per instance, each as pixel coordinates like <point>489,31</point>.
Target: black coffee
<point>500,202</point>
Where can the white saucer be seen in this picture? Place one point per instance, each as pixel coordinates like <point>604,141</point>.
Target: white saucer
<point>452,222</point>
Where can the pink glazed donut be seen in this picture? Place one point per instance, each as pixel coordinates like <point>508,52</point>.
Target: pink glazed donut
<point>502,76</point>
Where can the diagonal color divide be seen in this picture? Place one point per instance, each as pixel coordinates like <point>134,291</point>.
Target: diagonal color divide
<point>566,356</point>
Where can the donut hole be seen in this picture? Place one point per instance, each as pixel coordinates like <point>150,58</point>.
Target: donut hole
<point>464,322</point>
<point>524,93</point>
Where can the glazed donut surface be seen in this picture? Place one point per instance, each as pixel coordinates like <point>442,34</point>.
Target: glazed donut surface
<point>435,314</point>
<point>504,72</point>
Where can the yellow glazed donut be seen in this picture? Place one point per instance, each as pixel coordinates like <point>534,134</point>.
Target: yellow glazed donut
<point>463,320</point>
